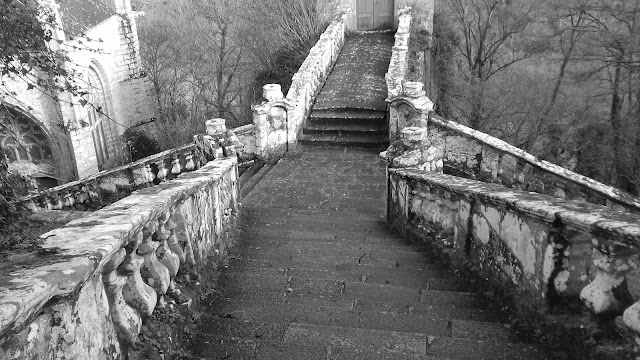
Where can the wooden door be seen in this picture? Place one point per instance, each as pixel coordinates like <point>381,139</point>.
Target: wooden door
<point>374,14</point>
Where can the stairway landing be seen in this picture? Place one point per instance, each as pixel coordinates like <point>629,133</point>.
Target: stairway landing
<point>317,274</point>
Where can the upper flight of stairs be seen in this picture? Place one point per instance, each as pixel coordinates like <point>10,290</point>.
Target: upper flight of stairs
<point>347,128</point>
<point>350,109</point>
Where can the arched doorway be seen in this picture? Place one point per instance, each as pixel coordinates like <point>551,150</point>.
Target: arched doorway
<point>27,147</point>
<point>374,14</point>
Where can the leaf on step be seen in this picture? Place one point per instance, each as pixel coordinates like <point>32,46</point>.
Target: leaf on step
<point>364,278</point>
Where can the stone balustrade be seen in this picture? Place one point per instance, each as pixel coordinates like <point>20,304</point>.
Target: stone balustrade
<point>472,154</point>
<point>546,247</point>
<point>407,101</point>
<point>309,79</point>
<point>85,293</point>
<point>108,186</point>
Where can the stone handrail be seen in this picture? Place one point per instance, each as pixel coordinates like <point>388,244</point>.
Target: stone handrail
<point>106,186</point>
<point>84,294</point>
<point>543,245</point>
<point>407,100</point>
<point>398,65</point>
<point>309,79</point>
<point>473,154</point>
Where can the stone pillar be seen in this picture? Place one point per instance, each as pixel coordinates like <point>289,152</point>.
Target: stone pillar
<point>408,108</point>
<point>271,122</point>
<point>414,150</point>
<point>218,141</point>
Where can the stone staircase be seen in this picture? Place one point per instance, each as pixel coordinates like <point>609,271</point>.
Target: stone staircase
<point>347,128</point>
<point>350,110</point>
<point>317,274</point>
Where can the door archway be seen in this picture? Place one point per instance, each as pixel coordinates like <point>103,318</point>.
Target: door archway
<point>375,14</point>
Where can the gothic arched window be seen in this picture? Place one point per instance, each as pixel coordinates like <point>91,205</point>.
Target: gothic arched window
<point>98,112</point>
<point>22,140</point>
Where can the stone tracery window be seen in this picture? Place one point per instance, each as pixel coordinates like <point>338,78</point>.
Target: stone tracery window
<point>22,140</point>
<point>98,112</point>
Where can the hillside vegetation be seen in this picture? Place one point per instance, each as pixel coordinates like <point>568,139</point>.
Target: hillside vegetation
<point>560,79</point>
<point>210,58</point>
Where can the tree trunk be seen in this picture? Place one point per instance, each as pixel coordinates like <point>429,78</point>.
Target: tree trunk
<point>615,120</point>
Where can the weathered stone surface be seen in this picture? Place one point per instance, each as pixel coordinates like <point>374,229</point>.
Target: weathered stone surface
<point>475,155</point>
<point>536,241</point>
<point>96,281</point>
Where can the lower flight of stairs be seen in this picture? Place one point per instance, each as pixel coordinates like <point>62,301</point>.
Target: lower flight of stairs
<point>357,128</point>
<point>307,285</point>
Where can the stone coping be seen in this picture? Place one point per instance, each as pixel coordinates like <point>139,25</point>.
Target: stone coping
<point>608,223</point>
<point>397,72</point>
<point>106,173</point>
<point>72,254</point>
<point>605,190</point>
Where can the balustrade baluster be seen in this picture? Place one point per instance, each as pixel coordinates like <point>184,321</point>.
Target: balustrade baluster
<point>69,199</point>
<point>177,167</point>
<point>163,172</point>
<point>177,230</point>
<point>155,274</point>
<point>136,292</point>
<point>166,257</point>
<point>126,320</point>
<point>190,165</point>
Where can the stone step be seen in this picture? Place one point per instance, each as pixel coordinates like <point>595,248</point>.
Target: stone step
<point>247,174</point>
<point>271,241</point>
<point>312,234</point>
<point>390,342</point>
<point>413,262</point>
<point>321,231</point>
<point>434,323</point>
<point>349,114</point>
<point>416,279</point>
<point>363,255</point>
<point>347,140</point>
<point>253,181</point>
<point>470,349</point>
<point>307,342</point>
<point>258,349</point>
<point>236,283</point>
<point>234,348</point>
<point>346,129</point>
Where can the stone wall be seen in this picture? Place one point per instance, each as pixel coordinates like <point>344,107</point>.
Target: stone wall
<point>476,155</point>
<point>544,246</point>
<point>84,294</point>
<point>309,79</point>
<point>113,56</point>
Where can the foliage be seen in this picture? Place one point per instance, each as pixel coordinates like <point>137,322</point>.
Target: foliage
<point>139,144</point>
<point>560,79</point>
<point>18,233</point>
<point>210,58</point>
<point>31,53</point>
<point>12,186</point>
